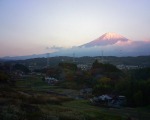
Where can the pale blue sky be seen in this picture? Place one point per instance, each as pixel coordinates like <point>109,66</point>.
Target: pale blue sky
<point>29,26</point>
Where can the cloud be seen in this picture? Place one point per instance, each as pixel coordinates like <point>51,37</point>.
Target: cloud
<point>123,43</point>
<point>54,48</point>
<point>128,48</point>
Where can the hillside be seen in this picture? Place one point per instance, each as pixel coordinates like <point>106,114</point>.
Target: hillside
<point>53,61</point>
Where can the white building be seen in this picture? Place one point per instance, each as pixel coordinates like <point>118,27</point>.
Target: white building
<point>51,80</point>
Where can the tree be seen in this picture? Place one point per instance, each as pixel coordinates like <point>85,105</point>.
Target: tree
<point>103,86</point>
<point>53,72</point>
<point>21,68</point>
<point>3,77</point>
<point>138,98</point>
<point>70,66</point>
<point>96,64</point>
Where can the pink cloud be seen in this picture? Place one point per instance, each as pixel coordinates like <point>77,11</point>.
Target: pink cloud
<point>123,43</point>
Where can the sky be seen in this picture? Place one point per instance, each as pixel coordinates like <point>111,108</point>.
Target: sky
<point>41,26</point>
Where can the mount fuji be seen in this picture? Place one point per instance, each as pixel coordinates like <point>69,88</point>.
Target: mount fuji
<point>107,39</point>
<point>110,44</point>
<point>113,44</point>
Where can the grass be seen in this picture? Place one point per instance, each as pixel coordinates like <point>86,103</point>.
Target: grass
<point>77,113</point>
<point>85,107</point>
<point>29,100</point>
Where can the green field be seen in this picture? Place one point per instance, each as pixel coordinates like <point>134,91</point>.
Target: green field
<point>30,100</point>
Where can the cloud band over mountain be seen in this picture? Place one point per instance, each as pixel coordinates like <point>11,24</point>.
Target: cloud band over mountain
<point>110,44</point>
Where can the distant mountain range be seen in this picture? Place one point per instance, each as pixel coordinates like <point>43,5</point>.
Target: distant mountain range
<point>109,44</point>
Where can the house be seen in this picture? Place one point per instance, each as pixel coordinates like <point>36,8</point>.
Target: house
<point>118,102</point>
<point>108,101</point>
<point>84,67</point>
<point>102,100</point>
<point>51,80</point>
<point>105,97</point>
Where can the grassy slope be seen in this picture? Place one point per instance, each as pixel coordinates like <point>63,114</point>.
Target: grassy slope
<point>30,100</point>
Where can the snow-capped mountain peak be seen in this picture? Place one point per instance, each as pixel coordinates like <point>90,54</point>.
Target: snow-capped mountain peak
<point>106,39</point>
<point>112,35</point>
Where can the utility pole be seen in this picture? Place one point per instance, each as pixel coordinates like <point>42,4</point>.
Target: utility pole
<point>73,57</point>
<point>102,57</point>
<point>47,55</point>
